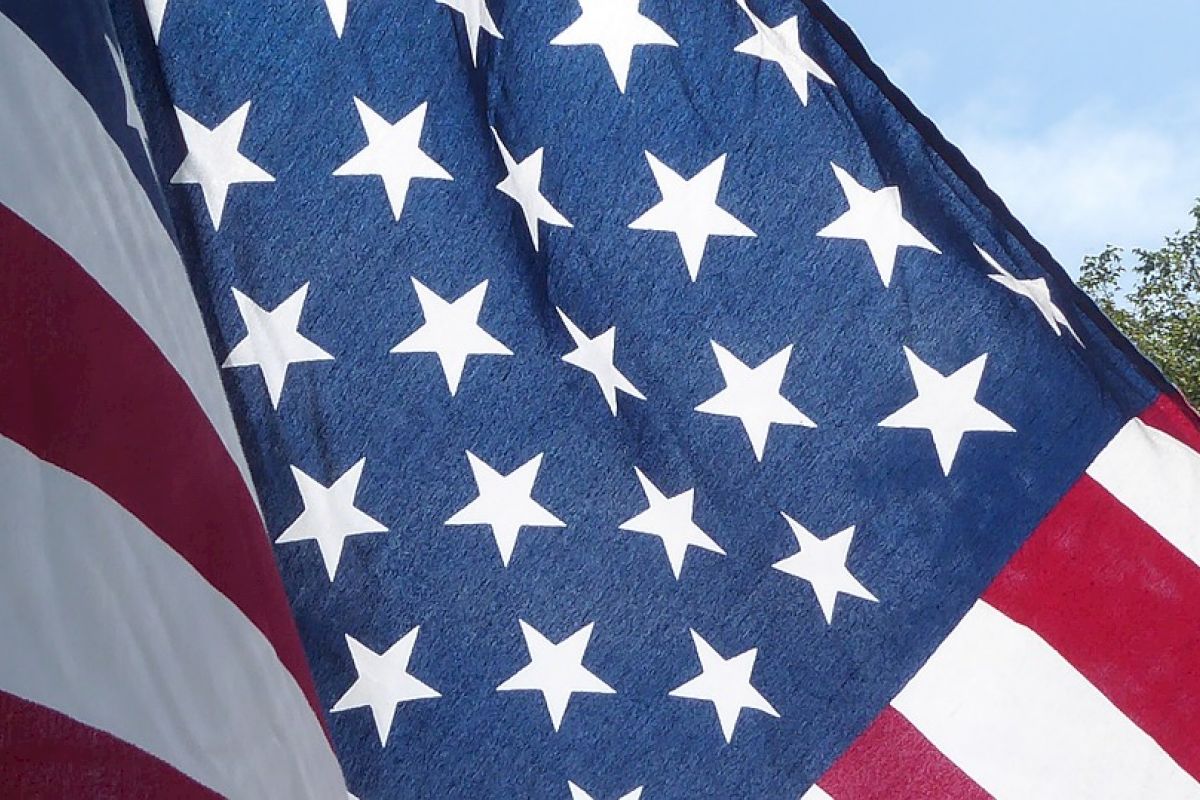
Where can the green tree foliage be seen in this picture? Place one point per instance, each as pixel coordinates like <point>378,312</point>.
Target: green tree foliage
<point>1155,299</point>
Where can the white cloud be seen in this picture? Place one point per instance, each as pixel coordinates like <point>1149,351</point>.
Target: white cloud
<point>1093,175</point>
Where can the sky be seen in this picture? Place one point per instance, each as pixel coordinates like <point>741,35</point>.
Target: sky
<point>1083,114</point>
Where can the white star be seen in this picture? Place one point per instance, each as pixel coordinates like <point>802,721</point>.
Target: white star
<point>505,503</point>
<point>781,44</point>
<point>689,210</point>
<point>556,670</point>
<point>523,184</point>
<point>823,564</point>
<point>616,26</point>
<point>273,342</point>
<point>580,794</point>
<point>946,407</point>
<point>1034,289</point>
<point>475,16</point>
<point>213,160</point>
<point>753,396</point>
<point>877,218</point>
<point>596,356</point>
<point>726,684</point>
<point>337,14</point>
<point>394,153</point>
<point>133,116</point>
<point>383,682</point>
<point>329,516</point>
<point>155,11</point>
<point>670,519</point>
<point>451,331</point>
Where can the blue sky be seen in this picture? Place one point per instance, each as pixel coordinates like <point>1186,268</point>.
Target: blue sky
<point>1083,114</point>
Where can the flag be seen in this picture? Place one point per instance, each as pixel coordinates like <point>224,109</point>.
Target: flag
<point>640,400</point>
<point>149,649</point>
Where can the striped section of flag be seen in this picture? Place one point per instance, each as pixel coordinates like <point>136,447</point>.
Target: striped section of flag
<point>1073,676</point>
<point>145,625</point>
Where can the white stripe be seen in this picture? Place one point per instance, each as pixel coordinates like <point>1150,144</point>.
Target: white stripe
<point>816,793</point>
<point>1000,703</point>
<point>1158,478</point>
<point>62,173</point>
<point>103,622</point>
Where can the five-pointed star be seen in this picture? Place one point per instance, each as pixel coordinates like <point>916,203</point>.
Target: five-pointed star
<point>133,115</point>
<point>329,515</point>
<point>596,356</point>
<point>822,562</point>
<point>475,16</point>
<point>689,210</point>
<point>617,27</point>
<point>752,395</point>
<point>877,218</point>
<point>337,14</point>
<point>273,342</point>
<point>781,44</point>
<point>580,794</point>
<point>556,670</point>
<point>451,331</point>
<point>1035,289</point>
<point>505,503</point>
<point>155,11</point>
<point>523,184</point>
<point>946,407</point>
<point>213,160</point>
<point>394,153</point>
<point>670,519</point>
<point>383,682</point>
<point>726,684</point>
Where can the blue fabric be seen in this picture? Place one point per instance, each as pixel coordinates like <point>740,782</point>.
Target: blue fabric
<point>926,544</point>
<point>73,35</point>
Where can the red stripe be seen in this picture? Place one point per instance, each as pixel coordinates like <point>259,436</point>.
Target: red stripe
<point>86,389</point>
<point>1171,414</point>
<point>892,759</point>
<point>44,754</point>
<point>1121,604</point>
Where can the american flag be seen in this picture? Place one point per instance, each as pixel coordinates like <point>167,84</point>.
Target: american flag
<point>580,399</point>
